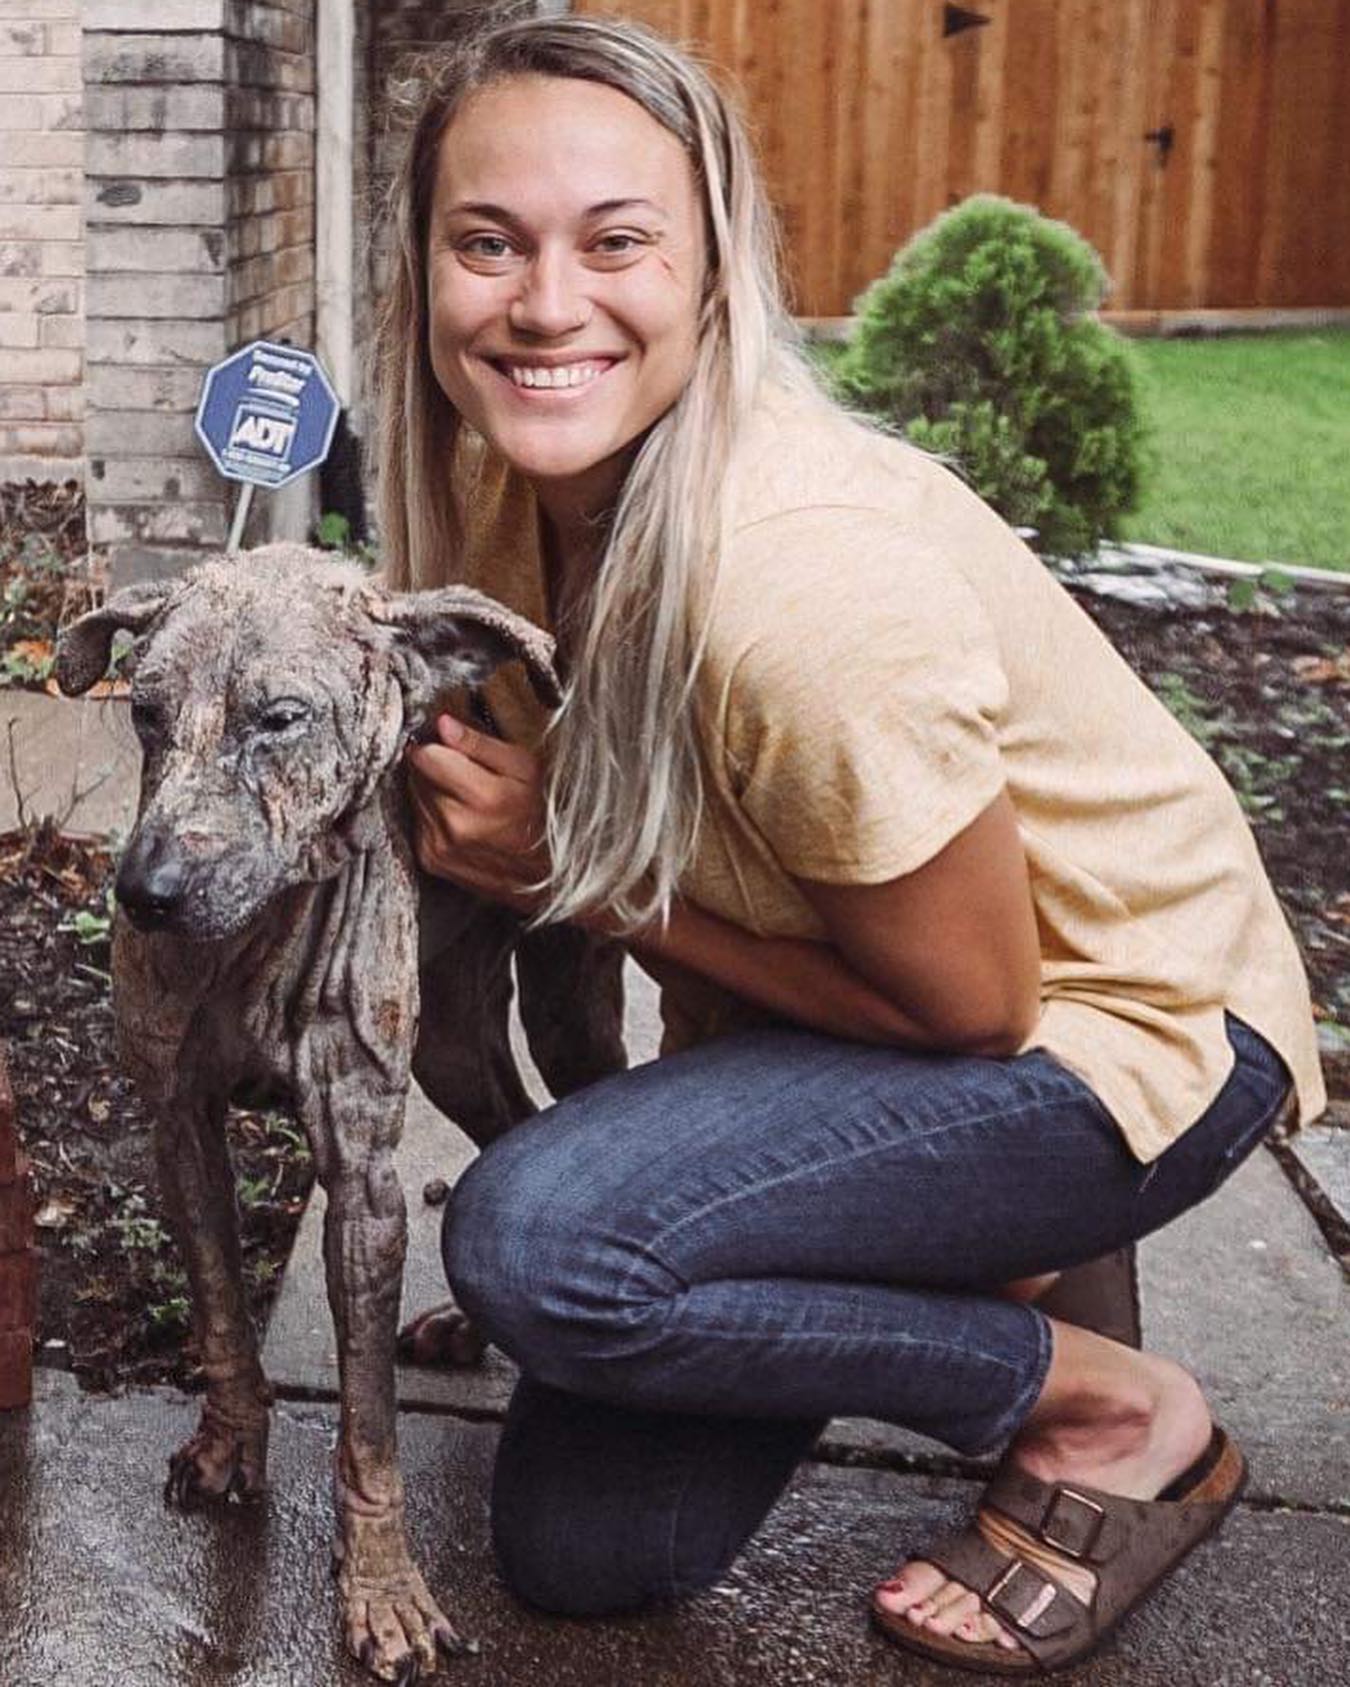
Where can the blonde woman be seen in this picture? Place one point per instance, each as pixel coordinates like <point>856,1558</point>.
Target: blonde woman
<point>970,969</point>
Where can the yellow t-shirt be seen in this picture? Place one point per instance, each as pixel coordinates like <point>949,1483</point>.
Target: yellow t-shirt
<point>885,655</point>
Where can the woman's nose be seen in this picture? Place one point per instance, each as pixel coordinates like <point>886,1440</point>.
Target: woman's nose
<point>552,300</point>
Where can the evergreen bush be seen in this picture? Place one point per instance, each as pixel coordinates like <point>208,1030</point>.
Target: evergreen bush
<point>979,344</point>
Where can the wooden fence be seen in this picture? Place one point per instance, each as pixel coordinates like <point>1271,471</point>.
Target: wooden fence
<point>1202,146</point>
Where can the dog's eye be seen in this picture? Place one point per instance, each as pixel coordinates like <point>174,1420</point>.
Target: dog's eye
<point>283,714</point>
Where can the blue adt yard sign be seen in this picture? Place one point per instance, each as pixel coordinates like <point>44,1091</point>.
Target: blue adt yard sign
<point>267,414</point>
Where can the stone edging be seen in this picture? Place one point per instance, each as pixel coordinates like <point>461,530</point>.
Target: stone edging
<point>1162,556</point>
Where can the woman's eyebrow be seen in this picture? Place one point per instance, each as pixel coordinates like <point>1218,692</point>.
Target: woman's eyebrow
<point>607,206</point>
<point>500,214</point>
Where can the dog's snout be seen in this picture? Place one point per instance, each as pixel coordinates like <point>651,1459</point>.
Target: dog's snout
<point>151,881</point>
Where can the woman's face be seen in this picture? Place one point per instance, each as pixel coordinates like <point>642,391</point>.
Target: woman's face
<point>565,262</point>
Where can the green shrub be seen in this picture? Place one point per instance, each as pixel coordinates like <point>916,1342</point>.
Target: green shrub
<point>978,344</point>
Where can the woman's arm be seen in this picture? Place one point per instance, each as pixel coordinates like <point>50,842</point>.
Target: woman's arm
<point>946,957</point>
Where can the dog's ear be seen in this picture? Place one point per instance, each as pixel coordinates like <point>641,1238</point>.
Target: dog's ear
<point>456,636</point>
<point>83,648</point>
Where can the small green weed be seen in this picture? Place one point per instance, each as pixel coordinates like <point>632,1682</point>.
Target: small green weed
<point>91,928</point>
<point>135,1224</point>
<point>333,532</point>
<point>257,1191</point>
<point>1258,593</point>
<point>1191,711</point>
<point>172,1317</point>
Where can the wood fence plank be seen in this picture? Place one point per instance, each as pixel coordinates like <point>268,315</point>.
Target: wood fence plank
<point>870,122</point>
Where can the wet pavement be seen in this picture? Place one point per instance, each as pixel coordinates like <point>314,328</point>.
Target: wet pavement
<point>101,1585</point>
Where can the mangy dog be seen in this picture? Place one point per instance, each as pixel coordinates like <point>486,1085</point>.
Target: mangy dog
<point>271,951</point>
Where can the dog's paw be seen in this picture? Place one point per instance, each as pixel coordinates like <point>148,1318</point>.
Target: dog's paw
<point>226,1459</point>
<point>395,1627</point>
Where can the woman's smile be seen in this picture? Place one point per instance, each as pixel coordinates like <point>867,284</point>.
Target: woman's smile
<point>567,377</point>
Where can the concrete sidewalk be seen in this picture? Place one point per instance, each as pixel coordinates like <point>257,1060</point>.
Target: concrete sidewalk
<point>102,1586</point>
<point>77,761</point>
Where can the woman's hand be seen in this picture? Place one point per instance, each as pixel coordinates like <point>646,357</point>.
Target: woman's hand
<point>478,814</point>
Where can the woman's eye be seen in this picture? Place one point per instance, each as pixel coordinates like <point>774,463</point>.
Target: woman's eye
<point>620,244</point>
<point>492,247</point>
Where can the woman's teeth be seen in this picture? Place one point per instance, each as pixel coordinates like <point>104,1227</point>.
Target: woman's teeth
<point>565,375</point>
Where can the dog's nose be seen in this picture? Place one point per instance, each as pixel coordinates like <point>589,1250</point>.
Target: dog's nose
<point>151,882</point>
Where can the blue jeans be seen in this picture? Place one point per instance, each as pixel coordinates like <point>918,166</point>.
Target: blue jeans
<point>699,1262</point>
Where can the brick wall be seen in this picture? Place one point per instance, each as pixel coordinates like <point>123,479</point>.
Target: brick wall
<point>199,230</point>
<point>402,31</point>
<point>155,242</point>
<point>41,240</point>
<point>364,213</point>
<point>269,127</point>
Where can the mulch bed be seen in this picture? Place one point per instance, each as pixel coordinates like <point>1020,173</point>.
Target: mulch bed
<point>113,1297</point>
<point>47,575</point>
<point>1267,691</point>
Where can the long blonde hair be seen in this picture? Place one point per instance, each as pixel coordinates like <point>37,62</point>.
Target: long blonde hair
<point>625,790</point>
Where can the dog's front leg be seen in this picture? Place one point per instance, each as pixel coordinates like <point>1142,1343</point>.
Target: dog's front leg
<point>392,1623</point>
<point>228,1453</point>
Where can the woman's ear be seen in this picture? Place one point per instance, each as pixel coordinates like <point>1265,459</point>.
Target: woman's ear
<point>83,649</point>
<point>459,637</point>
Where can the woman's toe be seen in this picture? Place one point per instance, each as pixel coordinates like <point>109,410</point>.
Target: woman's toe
<point>911,1587</point>
<point>953,1606</point>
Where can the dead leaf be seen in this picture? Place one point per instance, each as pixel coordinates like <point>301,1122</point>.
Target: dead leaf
<point>54,1214</point>
<point>103,688</point>
<point>1323,670</point>
<point>35,651</point>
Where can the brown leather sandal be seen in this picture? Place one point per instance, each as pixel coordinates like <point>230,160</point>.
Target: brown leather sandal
<point>1130,1545</point>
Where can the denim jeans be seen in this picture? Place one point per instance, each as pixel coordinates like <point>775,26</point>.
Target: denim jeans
<point>698,1262</point>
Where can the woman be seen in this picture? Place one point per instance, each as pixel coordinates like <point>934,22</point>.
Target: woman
<point>970,970</point>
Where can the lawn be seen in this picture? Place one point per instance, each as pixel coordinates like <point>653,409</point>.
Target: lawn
<point>1248,450</point>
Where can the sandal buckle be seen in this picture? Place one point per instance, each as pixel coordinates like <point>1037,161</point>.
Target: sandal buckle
<point>1083,1532</point>
<point>1041,1597</point>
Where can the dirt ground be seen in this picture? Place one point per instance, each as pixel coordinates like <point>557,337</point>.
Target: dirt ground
<point>1266,690</point>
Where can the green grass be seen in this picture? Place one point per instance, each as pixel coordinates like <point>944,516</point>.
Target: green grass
<point>1249,447</point>
<point>1248,451</point>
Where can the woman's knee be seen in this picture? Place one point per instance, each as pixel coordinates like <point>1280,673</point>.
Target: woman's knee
<point>538,1262</point>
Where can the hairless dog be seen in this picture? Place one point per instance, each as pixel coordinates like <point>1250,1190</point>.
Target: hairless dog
<point>270,952</point>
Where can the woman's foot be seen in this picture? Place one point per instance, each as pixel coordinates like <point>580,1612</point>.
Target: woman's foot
<point>442,1335</point>
<point>1125,1422</point>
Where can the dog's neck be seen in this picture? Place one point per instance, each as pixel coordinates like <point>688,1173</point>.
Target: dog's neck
<point>372,826</point>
